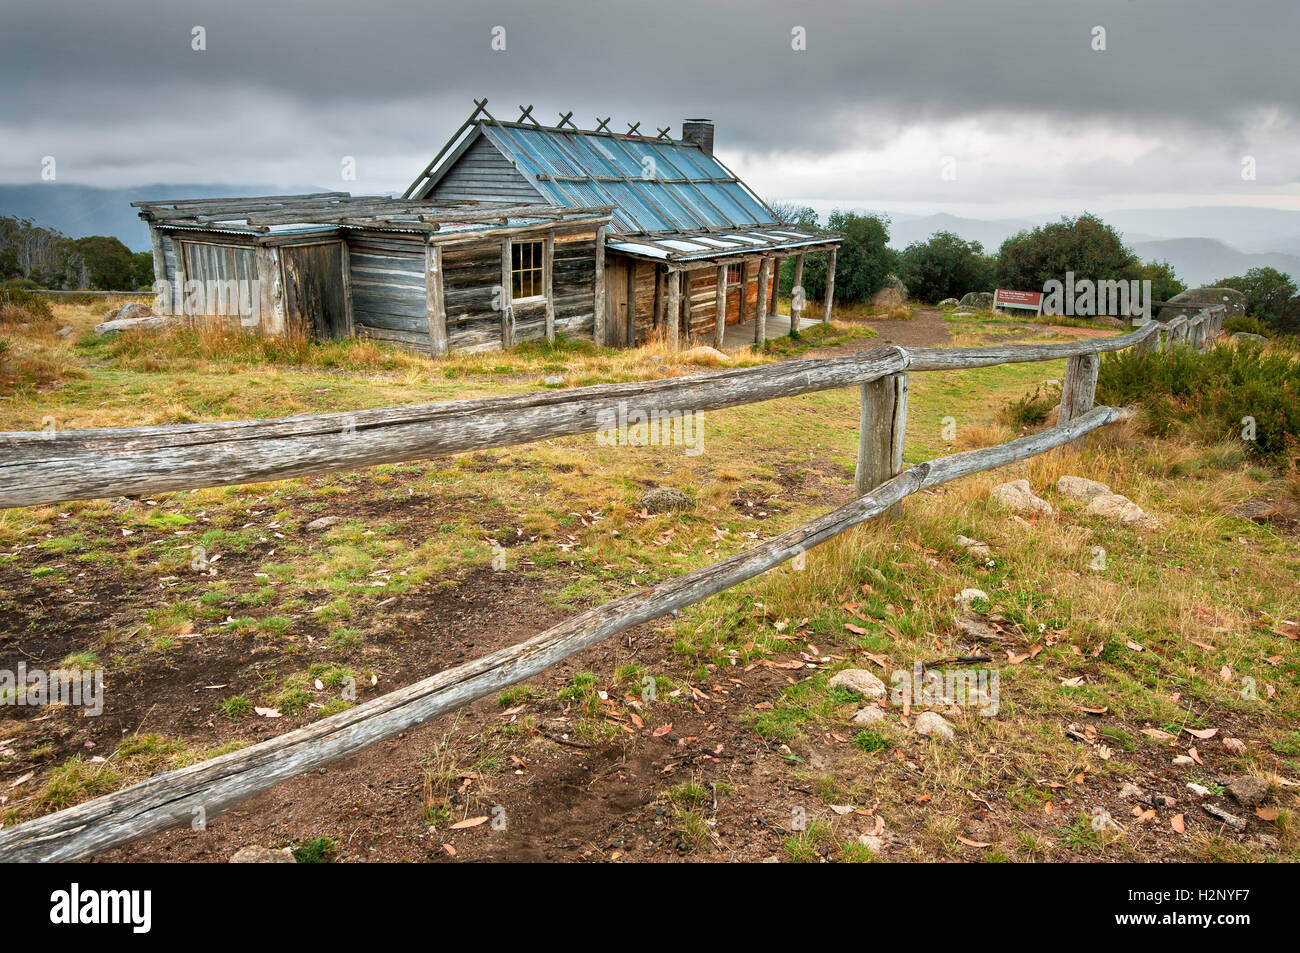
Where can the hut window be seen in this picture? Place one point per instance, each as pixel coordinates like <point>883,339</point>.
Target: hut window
<point>733,274</point>
<point>525,270</point>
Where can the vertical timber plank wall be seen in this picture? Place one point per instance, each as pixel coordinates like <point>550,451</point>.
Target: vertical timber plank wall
<point>548,283</point>
<point>574,284</point>
<point>599,286</point>
<point>507,309</point>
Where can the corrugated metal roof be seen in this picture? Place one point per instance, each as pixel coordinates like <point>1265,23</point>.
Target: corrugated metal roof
<point>656,185</point>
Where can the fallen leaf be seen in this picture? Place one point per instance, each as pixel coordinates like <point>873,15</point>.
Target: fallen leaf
<point>663,730</point>
<point>267,712</point>
<point>1178,824</point>
<point>469,822</point>
<point>974,843</point>
<point>1203,734</point>
<point>1157,734</point>
<point>1267,813</point>
<point>449,849</point>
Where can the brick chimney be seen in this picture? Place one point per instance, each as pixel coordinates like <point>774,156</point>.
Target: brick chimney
<point>700,132</point>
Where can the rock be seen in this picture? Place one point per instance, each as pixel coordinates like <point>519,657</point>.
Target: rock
<point>1019,498</point>
<point>1183,760</point>
<point>65,332</point>
<point>551,380</point>
<point>1234,299</point>
<point>1107,321</point>
<point>979,300</point>
<point>976,629</point>
<point>1231,820</point>
<point>933,725</point>
<point>891,295</point>
<point>1129,790</point>
<point>873,843</point>
<point>129,312</point>
<point>949,303</point>
<point>1241,337</point>
<point>703,354</point>
<point>1199,790</point>
<point>1117,506</point>
<point>119,325</point>
<point>323,522</point>
<point>974,546</point>
<point>1248,791</point>
<point>871,715</point>
<point>860,681</point>
<point>1235,745</point>
<point>967,596</point>
<point>663,499</point>
<point>1078,488</point>
<point>253,854</point>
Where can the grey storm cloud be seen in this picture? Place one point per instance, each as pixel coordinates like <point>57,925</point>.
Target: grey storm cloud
<point>101,80</point>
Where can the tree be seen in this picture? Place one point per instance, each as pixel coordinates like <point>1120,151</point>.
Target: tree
<point>945,266</point>
<point>108,264</point>
<point>1268,293</point>
<point>863,262</point>
<point>1164,283</point>
<point>1086,246</point>
<point>789,213</point>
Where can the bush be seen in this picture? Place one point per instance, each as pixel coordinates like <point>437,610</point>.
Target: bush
<point>945,266</point>
<point>1031,409</point>
<point>19,306</point>
<point>864,261</point>
<point>1212,393</point>
<point>1246,323</point>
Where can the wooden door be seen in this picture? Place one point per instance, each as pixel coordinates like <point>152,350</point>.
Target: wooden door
<point>616,301</point>
<point>314,300</point>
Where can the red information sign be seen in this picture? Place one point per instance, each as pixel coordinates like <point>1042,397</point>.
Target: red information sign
<point>1006,298</point>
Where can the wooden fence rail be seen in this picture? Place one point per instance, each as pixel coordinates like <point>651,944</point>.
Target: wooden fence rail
<point>175,798</point>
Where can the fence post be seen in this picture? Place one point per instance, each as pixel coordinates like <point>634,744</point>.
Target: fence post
<point>882,428</point>
<point>1080,388</point>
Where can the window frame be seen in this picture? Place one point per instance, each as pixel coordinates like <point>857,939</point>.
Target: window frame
<point>532,275</point>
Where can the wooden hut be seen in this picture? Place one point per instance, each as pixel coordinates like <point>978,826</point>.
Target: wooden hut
<point>433,277</point>
<point>687,239</point>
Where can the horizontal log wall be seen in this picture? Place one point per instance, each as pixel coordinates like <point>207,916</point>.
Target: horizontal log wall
<point>388,292</point>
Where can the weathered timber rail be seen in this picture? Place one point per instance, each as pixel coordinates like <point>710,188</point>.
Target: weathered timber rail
<point>174,798</point>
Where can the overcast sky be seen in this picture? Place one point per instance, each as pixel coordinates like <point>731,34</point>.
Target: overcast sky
<point>990,108</point>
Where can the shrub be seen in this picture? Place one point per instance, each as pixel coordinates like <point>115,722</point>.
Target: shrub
<point>1212,393</point>
<point>1031,409</point>
<point>1244,322</point>
<point>19,306</point>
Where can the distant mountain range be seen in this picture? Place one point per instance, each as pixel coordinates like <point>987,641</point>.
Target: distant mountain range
<point>1245,238</point>
<point>78,210</point>
<point>1202,243</point>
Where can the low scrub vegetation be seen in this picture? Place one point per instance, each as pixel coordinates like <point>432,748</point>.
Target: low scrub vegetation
<point>1245,390</point>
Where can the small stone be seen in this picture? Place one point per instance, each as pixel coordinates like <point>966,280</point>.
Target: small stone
<point>967,596</point>
<point>1129,790</point>
<point>1077,488</point>
<point>1183,760</point>
<point>1199,790</point>
<point>871,715</point>
<point>784,750</point>
<point>974,546</point>
<point>1248,791</point>
<point>1232,820</point>
<point>706,355</point>
<point>861,681</point>
<point>553,379</point>
<point>1164,800</point>
<point>873,843</point>
<point>65,332</point>
<point>1235,745</point>
<point>253,854</point>
<point>976,629</point>
<point>323,522</point>
<point>1019,498</point>
<point>663,499</point>
<point>933,725</point>
<point>1117,506</point>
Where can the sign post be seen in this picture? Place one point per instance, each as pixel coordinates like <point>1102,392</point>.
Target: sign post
<point>1027,300</point>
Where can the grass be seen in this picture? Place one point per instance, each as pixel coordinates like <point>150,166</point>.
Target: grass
<point>328,605</point>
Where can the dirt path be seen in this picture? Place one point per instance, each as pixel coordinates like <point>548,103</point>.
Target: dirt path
<point>926,328</point>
